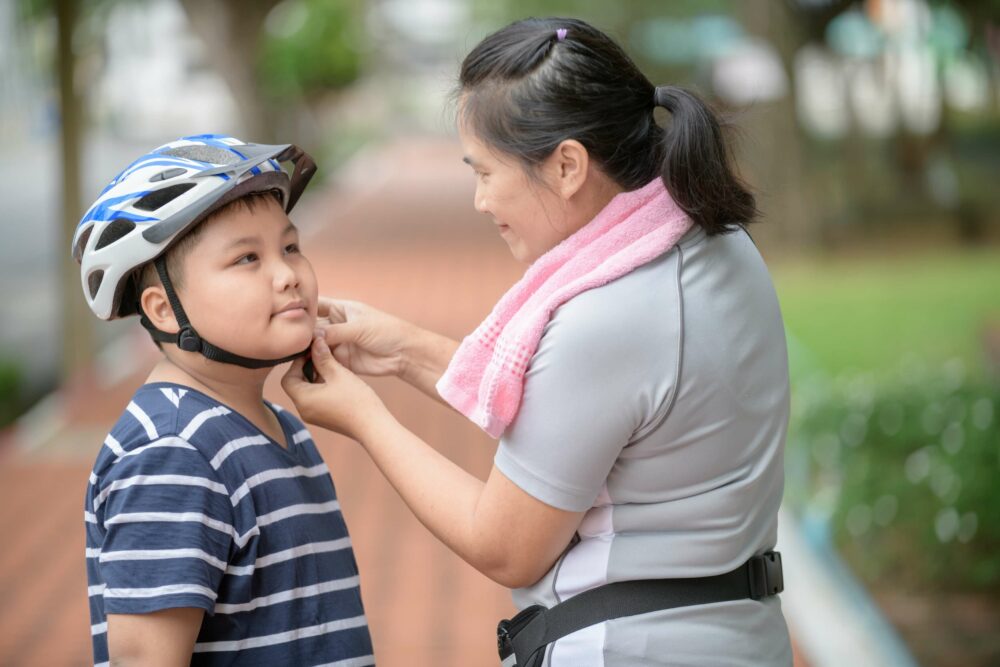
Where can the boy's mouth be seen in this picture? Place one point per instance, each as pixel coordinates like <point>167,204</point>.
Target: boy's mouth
<point>292,309</point>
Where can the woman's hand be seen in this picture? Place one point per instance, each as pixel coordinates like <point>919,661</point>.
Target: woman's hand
<point>338,400</point>
<point>365,340</point>
<point>370,342</point>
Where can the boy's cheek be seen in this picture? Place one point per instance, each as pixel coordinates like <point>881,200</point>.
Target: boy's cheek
<point>310,289</point>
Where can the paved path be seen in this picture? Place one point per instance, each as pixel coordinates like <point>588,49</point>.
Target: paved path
<point>398,232</point>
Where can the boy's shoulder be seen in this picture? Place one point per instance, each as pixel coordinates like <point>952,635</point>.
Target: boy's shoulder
<point>164,414</point>
<point>162,410</point>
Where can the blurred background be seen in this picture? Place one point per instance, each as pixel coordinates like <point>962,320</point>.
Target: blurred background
<point>869,129</point>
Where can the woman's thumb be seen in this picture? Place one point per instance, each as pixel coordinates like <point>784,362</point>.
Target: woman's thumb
<point>322,357</point>
<point>342,333</point>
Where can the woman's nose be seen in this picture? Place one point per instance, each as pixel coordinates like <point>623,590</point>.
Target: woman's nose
<point>479,201</point>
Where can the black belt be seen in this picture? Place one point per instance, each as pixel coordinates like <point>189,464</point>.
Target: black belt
<point>522,639</point>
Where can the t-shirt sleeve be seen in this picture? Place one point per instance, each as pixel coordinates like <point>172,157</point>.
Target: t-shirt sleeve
<point>586,394</point>
<point>168,524</point>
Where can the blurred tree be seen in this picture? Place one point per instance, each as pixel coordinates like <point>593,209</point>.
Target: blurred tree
<point>776,153</point>
<point>74,37</point>
<point>76,320</point>
<point>313,49</point>
<point>232,32</point>
<point>279,57</point>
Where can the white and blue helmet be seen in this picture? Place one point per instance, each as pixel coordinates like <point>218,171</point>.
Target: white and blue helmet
<point>164,194</point>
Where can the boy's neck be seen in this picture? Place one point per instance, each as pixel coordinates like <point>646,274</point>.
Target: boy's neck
<point>242,389</point>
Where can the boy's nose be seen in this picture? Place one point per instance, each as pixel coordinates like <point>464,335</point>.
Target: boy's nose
<point>285,276</point>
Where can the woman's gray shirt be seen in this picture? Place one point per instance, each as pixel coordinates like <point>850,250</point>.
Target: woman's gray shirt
<point>659,404</point>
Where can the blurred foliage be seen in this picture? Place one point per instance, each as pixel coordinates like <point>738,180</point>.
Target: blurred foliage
<point>12,401</point>
<point>312,47</point>
<point>622,20</point>
<point>853,314</point>
<point>905,471</point>
<point>894,441</point>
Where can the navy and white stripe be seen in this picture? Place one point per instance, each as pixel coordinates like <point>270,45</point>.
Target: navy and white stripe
<point>190,505</point>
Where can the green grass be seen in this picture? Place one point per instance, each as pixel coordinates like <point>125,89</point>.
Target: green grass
<point>850,315</point>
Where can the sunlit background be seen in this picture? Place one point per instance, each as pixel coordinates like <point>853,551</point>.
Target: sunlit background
<point>870,131</point>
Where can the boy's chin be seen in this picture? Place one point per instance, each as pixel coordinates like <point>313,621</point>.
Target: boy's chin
<point>279,349</point>
<point>290,349</point>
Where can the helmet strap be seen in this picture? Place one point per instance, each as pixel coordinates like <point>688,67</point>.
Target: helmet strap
<point>188,339</point>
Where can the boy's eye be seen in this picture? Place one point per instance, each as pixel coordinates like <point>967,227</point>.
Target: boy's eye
<point>247,258</point>
<point>292,248</point>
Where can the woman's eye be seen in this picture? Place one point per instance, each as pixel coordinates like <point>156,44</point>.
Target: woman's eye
<point>247,258</point>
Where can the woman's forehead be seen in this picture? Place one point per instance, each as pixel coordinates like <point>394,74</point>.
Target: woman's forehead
<point>478,153</point>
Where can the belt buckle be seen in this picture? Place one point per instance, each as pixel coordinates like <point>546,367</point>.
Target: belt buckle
<point>766,575</point>
<point>504,646</point>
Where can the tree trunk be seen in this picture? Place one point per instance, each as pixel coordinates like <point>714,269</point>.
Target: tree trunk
<point>774,150</point>
<point>76,317</point>
<point>231,32</point>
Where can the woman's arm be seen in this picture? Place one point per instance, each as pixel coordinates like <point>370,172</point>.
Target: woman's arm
<point>426,356</point>
<point>370,342</point>
<point>500,530</point>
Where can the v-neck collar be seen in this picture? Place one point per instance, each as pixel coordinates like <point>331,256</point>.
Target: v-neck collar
<point>285,431</point>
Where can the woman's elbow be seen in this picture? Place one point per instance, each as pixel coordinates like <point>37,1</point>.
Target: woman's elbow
<point>515,571</point>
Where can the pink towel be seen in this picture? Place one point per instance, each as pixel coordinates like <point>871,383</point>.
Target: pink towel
<point>485,378</point>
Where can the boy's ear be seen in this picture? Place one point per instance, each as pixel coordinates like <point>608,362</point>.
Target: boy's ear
<point>156,305</point>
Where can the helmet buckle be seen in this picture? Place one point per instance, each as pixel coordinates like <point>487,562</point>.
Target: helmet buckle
<point>188,340</point>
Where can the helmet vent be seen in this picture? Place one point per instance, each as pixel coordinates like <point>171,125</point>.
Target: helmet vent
<point>158,198</point>
<point>94,282</point>
<point>167,174</point>
<point>209,154</point>
<point>82,243</point>
<point>115,230</point>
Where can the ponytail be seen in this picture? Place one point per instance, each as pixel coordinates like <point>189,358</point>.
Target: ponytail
<point>696,165</point>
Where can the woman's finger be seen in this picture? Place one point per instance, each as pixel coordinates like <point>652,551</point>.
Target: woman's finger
<point>323,360</point>
<point>332,309</point>
<point>294,376</point>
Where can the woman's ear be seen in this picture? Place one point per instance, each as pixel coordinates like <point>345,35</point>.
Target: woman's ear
<point>569,165</point>
<point>156,306</point>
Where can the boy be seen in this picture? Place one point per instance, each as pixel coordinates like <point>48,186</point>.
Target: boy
<point>214,535</point>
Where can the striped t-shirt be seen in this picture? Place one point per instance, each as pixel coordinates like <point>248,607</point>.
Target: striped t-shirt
<point>191,505</point>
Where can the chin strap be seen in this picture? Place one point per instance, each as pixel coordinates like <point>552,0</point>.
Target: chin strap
<point>188,339</point>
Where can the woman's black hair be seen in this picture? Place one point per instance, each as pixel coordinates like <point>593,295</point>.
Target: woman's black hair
<point>537,82</point>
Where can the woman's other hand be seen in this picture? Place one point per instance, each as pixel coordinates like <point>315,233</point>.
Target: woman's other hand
<point>338,400</point>
<point>364,339</point>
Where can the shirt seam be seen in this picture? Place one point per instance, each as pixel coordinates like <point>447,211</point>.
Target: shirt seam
<point>667,407</point>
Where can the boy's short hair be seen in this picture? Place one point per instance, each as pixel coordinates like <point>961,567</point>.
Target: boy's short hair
<point>147,276</point>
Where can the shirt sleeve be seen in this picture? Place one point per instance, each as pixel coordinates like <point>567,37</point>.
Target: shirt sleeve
<point>168,524</point>
<point>587,391</point>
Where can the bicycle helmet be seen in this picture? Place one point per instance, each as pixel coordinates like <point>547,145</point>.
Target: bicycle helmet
<point>155,201</point>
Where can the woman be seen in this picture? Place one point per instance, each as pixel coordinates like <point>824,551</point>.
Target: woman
<point>637,374</point>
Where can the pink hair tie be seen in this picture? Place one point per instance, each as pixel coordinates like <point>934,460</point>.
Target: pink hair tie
<point>561,34</point>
